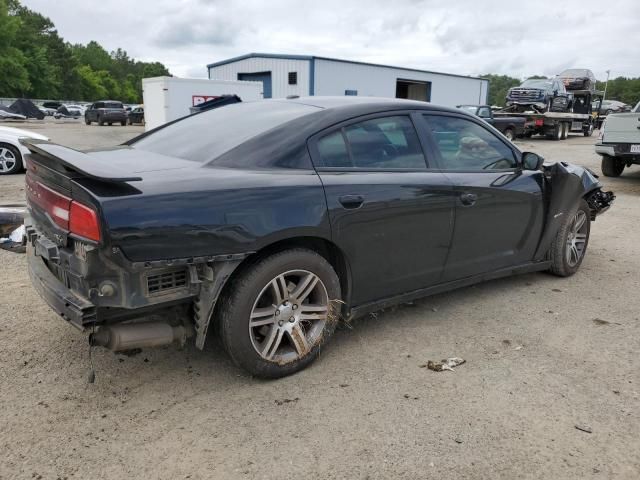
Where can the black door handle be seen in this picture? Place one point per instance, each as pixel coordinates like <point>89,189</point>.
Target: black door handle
<point>468,199</point>
<point>351,201</point>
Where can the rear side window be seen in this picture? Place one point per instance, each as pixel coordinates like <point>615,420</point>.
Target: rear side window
<point>205,136</point>
<point>98,105</point>
<point>377,144</point>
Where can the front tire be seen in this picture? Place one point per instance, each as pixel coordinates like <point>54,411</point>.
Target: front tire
<point>10,159</point>
<point>611,166</point>
<point>278,313</point>
<point>570,245</point>
<point>509,134</point>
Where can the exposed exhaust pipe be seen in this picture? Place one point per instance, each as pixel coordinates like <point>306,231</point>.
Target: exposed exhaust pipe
<point>127,336</point>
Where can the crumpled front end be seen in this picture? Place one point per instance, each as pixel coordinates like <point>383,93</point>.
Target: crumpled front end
<point>566,184</point>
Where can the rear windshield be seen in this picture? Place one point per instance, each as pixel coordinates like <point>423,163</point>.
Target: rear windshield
<point>112,105</point>
<point>207,135</point>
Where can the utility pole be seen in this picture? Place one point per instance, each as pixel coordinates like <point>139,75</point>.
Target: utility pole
<point>605,85</point>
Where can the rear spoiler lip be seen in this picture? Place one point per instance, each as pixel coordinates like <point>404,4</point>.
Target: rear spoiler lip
<point>76,161</point>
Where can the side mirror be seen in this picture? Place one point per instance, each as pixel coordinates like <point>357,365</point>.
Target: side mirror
<point>532,161</point>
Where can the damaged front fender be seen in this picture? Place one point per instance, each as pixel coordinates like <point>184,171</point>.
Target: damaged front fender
<point>565,186</point>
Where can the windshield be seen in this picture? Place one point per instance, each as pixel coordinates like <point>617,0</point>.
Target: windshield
<point>574,73</point>
<point>207,135</point>
<point>537,83</point>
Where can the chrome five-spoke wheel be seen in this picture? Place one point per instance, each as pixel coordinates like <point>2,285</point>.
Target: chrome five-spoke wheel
<point>576,238</point>
<point>279,312</point>
<point>8,160</point>
<point>289,316</point>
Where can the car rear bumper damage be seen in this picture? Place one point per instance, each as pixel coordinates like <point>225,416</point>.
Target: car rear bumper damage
<point>78,311</point>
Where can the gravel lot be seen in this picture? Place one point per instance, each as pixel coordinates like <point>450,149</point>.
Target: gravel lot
<point>543,354</point>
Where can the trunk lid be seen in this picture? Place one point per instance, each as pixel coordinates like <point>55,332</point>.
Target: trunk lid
<point>622,128</point>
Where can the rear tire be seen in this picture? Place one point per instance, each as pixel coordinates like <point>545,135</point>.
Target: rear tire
<point>570,245</point>
<point>123,123</point>
<point>565,131</point>
<point>100,121</point>
<point>611,166</point>
<point>87,121</point>
<point>10,159</point>
<point>261,316</point>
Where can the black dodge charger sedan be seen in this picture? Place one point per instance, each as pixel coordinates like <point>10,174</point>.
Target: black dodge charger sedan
<point>264,223</point>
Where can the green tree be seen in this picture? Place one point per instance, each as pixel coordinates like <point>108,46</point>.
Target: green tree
<point>14,79</point>
<point>499,85</point>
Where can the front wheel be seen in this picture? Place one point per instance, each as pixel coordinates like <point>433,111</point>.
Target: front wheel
<point>570,245</point>
<point>611,166</point>
<point>123,123</point>
<point>509,134</point>
<point>279,312</point>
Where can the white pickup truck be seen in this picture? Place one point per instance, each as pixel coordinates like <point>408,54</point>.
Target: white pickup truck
<point>619,142</point>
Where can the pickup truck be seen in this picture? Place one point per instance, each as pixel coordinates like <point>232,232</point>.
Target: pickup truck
<point>619,142</point>
<point>510,127</point>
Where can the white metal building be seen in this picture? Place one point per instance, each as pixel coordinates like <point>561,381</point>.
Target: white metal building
<point>283,75</point>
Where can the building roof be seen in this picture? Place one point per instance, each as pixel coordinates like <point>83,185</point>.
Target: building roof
<point>282,56</point>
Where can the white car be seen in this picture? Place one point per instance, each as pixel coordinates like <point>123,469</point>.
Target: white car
<point>12,151</point>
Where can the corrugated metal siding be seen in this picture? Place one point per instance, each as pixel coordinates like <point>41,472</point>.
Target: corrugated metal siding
<point>334,78</point>
<point>279,69</point>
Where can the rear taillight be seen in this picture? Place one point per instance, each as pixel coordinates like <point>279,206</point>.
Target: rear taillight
<point>83,221</point>
<point>539,122</point>
<point>68,214</point>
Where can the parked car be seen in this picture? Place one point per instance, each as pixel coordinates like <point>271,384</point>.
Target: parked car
<point>612,106</point>
<point>49,108</point>
<point>12,152</point>
<point>543,95</point>
<point>578,79</point>
<point>136,115</point>
<point>106,111</point>
<point>288,215</point>
<point>69,111</point>
<point>510,127</point>
<point>619,142</point>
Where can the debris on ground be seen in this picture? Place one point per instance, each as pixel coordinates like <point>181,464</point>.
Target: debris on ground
<point>286,400</point>
<point>446,364</point>
<point>11,217</point>
<point>15,241</point>
<point>584,428</point>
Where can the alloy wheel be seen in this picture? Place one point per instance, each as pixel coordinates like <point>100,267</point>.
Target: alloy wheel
<point>7,160</point>
<point>289,316</point>
<point>576,238</point>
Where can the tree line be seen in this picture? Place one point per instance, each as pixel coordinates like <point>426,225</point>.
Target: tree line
<point>623,89</point>
<point>37,63</point>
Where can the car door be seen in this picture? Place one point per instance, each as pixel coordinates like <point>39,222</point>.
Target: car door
<point>499,206</point>
<point>390,213</point>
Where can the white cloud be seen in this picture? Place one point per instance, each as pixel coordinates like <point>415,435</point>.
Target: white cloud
<point>461,36</point>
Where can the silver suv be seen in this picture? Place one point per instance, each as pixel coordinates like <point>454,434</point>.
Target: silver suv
<point>619,142</point>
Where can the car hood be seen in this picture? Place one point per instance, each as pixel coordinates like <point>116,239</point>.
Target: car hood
<point>16,133</point>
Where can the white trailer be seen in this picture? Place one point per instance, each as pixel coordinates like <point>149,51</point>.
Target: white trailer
<point>169,98</point>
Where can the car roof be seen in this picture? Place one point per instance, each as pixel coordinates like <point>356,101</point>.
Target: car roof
<point>363,103</point>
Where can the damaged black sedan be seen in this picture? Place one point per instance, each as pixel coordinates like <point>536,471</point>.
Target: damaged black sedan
<point>264,223</point>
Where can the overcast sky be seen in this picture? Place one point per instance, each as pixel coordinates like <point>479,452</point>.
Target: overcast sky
<point>468,37</point>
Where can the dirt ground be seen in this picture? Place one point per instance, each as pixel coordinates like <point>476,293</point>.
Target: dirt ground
<point>544,355</point>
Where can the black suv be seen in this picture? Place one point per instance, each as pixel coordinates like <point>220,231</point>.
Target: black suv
<point>541,94</point>
<point>106,111</point>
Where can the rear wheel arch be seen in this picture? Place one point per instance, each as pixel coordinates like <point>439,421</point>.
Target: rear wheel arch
<point>327,249</point>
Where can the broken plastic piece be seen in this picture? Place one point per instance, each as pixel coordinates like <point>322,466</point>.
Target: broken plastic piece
<point>446,364</point>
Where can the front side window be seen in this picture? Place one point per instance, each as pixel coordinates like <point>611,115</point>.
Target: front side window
<point>465,145</point>
<point>484,112</point>
<point>380,143</point>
